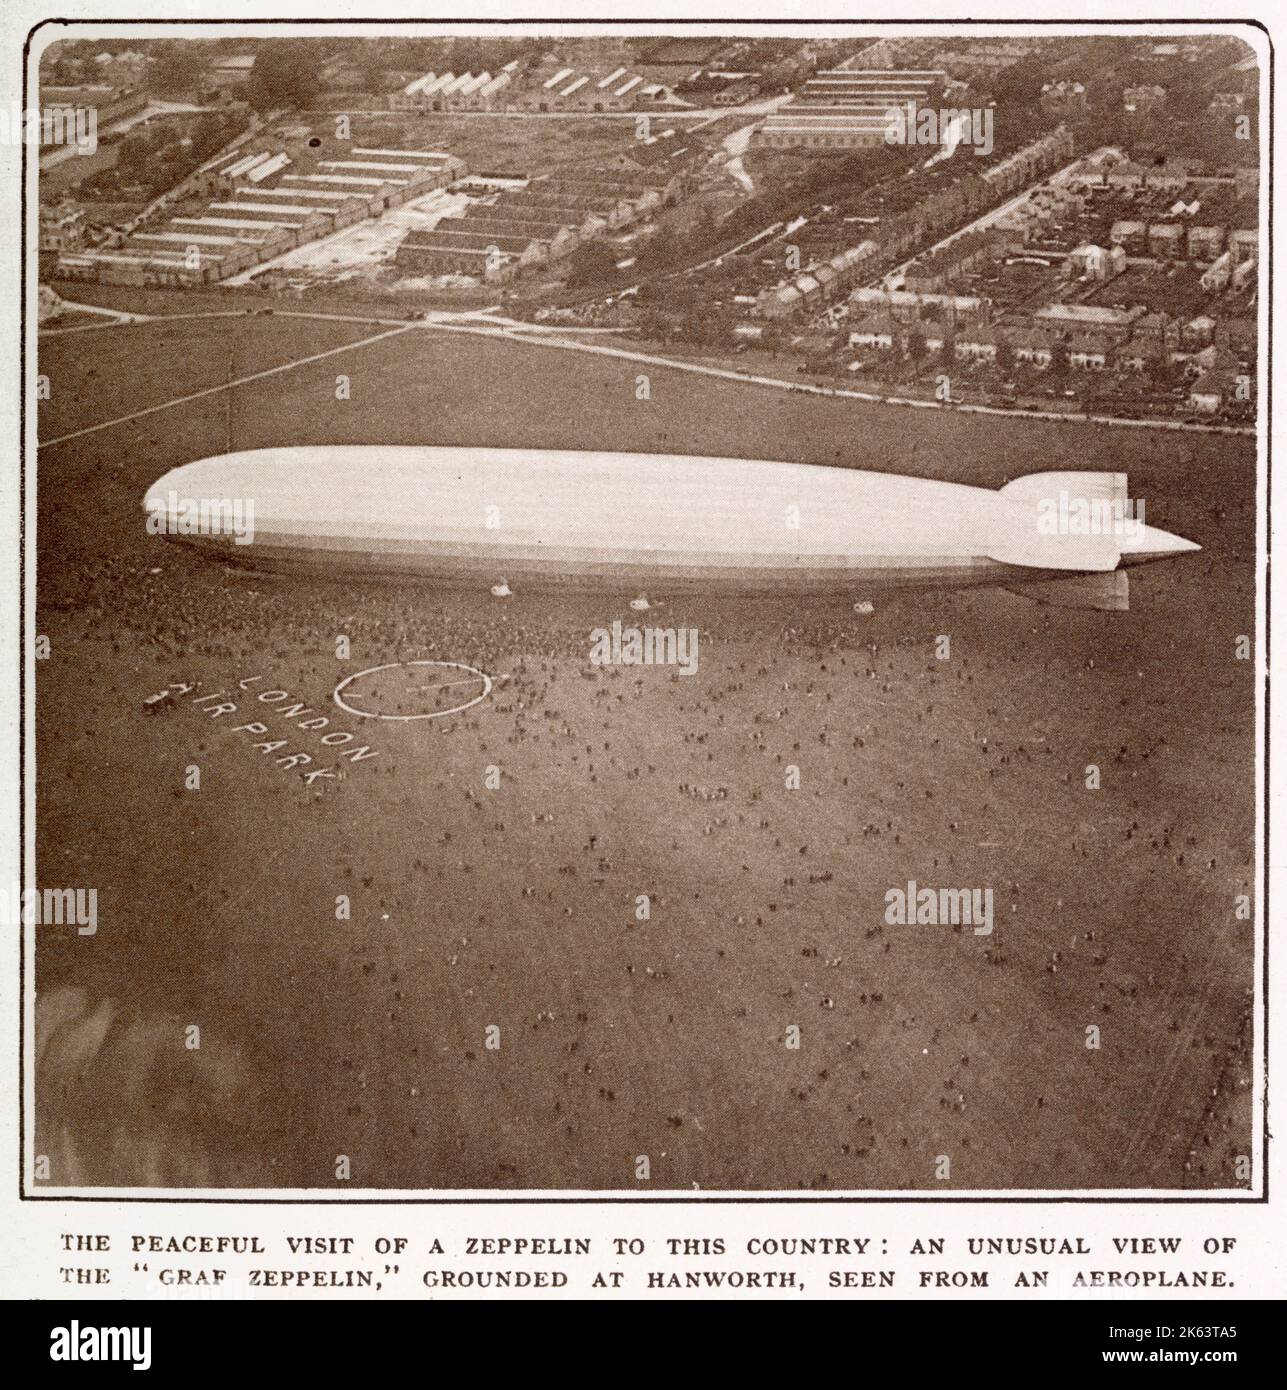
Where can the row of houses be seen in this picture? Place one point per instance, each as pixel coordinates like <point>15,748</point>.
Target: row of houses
<point>1111,169</point>
<point>822,281</point>
<point>980,57</point>
<point>1212,356</point>
<point>122,69</point>
<point>1030,161</point>
<point>1065,97</point>
<point>1152,336</point>
<point>63,226</point>
<point>1204,241</point>
<point>1226,273</point>
<point>1234,267</point>
<point>826,280</point>
<point>248,222</point>
<point>936,271</point>
<point>1178,232</point>
<point>1228,252</point>
<point>1051,206</point>
<point>910,306</point>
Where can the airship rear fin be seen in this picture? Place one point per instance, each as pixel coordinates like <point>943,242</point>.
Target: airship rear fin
<point>1093,487</point>
<point>1050,525</point>
<point>1107,592</point>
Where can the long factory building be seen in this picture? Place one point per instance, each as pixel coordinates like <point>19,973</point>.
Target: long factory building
<point>261,204</point>
<point>848,109</point>
<point>514,228</point>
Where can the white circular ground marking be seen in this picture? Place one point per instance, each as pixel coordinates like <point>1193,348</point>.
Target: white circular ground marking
<point>474,677</point>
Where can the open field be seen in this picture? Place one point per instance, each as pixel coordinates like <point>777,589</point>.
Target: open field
<point>569,146</point>
<point>515,907</point>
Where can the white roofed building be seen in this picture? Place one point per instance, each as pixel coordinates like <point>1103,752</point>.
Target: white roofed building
<point>466,91</point>
<point>556,86</point>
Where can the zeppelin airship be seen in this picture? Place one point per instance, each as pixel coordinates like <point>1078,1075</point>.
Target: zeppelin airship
<point>508,519</point>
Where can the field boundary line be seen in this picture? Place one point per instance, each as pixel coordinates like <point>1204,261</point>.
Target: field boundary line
<point>223,386</point>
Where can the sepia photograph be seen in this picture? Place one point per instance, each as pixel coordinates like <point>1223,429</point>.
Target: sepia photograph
<point>642,609</point>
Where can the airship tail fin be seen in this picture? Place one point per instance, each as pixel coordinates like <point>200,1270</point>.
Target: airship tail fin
<point>1044,487</point>
<point>1050,525</point>
<point>1107,591</point>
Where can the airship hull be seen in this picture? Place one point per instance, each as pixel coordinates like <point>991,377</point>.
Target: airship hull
<point>465,516</point>
<point>465,567</point>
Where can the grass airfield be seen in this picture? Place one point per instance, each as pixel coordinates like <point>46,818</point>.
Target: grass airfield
<point>515,907</point>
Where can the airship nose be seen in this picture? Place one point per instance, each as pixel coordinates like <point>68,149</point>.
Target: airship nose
<point>1151,543</point>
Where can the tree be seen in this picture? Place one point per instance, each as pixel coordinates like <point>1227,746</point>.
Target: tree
<point>591,262</point>
<point>772,339</point>
<point>178,67</point>
<point>372,72</point>
<point>703,228</point>
<point>661,251</point>
<point>1060,359</point>
<point>285,75</point>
